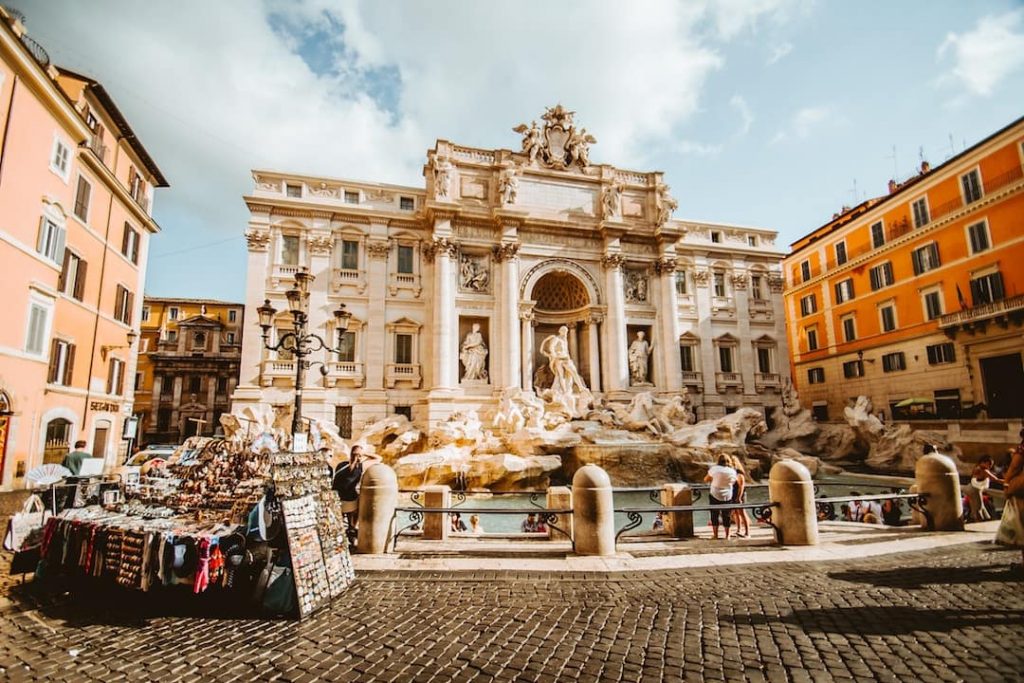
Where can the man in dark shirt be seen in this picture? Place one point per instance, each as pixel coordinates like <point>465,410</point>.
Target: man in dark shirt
<point>73,460</point>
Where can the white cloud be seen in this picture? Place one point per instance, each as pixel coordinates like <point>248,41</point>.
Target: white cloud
<point>739,103</point>
<point>804,122</point>
<point>732,17</point>
<point>697,149</point>
<point>986,55</point>
<point>779,51</point>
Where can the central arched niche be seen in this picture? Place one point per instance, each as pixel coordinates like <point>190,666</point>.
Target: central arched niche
<point>560,298</point>
<point>559,291</point>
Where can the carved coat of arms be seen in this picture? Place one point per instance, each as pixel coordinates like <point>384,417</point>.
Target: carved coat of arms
<point>559,145</point>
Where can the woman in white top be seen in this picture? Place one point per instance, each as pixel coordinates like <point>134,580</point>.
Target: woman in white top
<point>980,479</point>
<point>722,477</point>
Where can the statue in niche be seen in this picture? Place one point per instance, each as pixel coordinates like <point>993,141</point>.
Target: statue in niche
<point>568,393</point>
<point>612,200</point>
<point>639,351</point>
<point>474,274</point>
<point>508,185</point>
<point>474,355</point>
<point>636,287</point>
<point>442,177</point>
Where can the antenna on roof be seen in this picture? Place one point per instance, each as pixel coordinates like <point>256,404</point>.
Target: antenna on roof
<point>895,165</point>
<point>856,195</point>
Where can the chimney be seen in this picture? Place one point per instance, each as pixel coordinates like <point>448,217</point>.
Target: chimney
<point>893,186</point>
<point>925,167</point>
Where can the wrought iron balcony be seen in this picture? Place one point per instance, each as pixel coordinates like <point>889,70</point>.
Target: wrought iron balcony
<point>985,312</point>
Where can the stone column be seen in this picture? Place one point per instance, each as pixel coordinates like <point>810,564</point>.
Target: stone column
<point>667,356</point>
<point>446,367</point>
<point>376,320</point>
<point>616,370</point>
<point>507,255</point>
<point>527,339</point>
<point>708,351</point>
<point>595,352</point>
<point>574,342</point>
<point>436,524</point>
<point>747,358</point>
<point>211,402</point>
<point>250,365</point>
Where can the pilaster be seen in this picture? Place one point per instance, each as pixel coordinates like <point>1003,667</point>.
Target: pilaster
<point>616,371</point>
<point>668,315</point>
<point>507,253</point>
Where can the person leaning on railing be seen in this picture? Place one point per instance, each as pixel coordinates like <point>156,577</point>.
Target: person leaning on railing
<point>1011,526</point>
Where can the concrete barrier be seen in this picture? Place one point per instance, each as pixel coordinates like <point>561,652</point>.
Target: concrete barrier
<point>677,524</point>
<point>560,498</point>
<point>936,476</point>
<point>795,517</point>
<point>378,497</point>
<point>436,524</point>
<point>593,514</point>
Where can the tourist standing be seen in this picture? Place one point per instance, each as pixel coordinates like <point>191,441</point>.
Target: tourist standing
<point>73,460</point>
<point>739,515</point>
<point>1011,527</point>
<point>721,477</point>
<point>980,479</point>
<point>346,482</point>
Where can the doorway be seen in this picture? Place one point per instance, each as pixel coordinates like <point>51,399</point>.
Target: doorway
<point>99,439</point>
<point>58,438</point>
<point>1003,377</point>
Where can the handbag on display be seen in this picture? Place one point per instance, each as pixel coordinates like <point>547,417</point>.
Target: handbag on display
<point>25,527</point>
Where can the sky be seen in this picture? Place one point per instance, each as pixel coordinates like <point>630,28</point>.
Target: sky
<point>770,113</point>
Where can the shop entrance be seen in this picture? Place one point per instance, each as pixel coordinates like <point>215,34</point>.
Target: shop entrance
<point>1003,377</point>
<point>99,439</point>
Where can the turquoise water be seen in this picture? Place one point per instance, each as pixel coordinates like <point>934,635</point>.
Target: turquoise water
<point>511,524</point>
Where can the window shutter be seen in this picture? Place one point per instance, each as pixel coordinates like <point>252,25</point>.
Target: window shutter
<point>977,294</point>
<point>61,241</point>
<point>51,375</point>
<point>124,240</point>
<point>839,292</point>
<point>135,248</point>
<point>915,256</point>
<point>932,355</point>
<point>69,364</point>
<point>110,376</point>
<point>120,378</point>
<point>934,249</point>
<point>63,280</point>
<point>129,298</point>
<point>997,287</point>
<point>79,292</point>
<point>41,241</point>
<point>874,279</point>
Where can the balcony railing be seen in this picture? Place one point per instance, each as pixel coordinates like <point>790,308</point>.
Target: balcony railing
<point>339,371</point>
<point>764,380</point>
<point>402,372</point>
<point>983,312</point>
<point>728,379</point>
<point>98,148</point>
<point>692,379</point>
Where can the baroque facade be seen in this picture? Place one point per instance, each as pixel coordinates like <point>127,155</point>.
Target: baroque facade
<point>917,297</point>
<point>454,286</point>
<point>76,189</point>
<point>189,353</point>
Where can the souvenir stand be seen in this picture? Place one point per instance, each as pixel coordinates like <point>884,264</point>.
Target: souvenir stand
<point>240,520</point>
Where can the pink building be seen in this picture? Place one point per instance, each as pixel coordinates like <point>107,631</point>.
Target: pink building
<point>76,190</point>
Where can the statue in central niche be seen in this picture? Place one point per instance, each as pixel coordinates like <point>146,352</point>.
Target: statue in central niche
<point>567,392</point>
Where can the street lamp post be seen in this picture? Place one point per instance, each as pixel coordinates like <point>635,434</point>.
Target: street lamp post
<point>299,342</point>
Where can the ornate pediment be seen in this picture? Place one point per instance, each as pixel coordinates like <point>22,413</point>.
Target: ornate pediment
<point>559,145</point>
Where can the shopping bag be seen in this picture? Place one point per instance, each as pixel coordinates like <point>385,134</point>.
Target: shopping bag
<point>31,519</point>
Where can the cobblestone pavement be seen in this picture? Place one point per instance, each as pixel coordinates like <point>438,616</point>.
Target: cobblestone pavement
<point>948,614</point>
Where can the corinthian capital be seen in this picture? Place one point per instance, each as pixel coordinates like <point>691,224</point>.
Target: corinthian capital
<point>610,261</point>
<point>441,246</point>
<point>257,240</point>
<point>665,265</point>
<point>320,244</point>
<point>506,252</point>
<point>378,249</point>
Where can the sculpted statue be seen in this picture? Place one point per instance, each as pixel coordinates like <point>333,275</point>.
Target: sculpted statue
<point>612,200</point>
<point>666,204</point>
<point>442,177</point>
<point>533,141</point>
<point>474,355</point>
<point>474,274</point>
<point>635,283</point>
<point>578,146</point>
<point>567,391</point>
<point>639,351</point>
<point>508,185</point>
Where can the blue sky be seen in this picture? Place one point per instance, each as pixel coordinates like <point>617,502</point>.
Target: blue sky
<point>760,112</point>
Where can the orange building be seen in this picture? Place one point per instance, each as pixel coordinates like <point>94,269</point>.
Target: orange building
<point>917,297</point>
<point>75,223</point>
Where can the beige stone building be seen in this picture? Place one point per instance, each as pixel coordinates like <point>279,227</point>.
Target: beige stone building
<point>454,286</point>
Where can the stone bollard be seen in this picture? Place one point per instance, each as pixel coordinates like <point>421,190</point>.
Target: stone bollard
<point>795,517</point>
<point>936,476</point>
<point>593,515</point>
<point>378,497</point>
<point>560,498</point>
<point>436,524</point>
<point>677,524</point>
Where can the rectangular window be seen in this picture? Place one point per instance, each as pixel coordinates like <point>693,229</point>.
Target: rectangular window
<point>888,314</point>
<point>60,159</point>
<point>172,335</point>
<point>115,377</point>
<point>290,250</point>
<point>343,421</point>
<point>123,305</point>
<point>920,208</point>
<point>232,316</point>
<point>351,197</point>
<point>130,244</point>
<point>347,347</point>
<point>38,317</point>
<point>815,375</point>
<point>163,419</point>
<point>808,304</point>
<point>403,349</point>
<point>971,183</point>
<point>349,255</point>
<point>812,339</point>
<point>805,270</point>
<point>844,290</point>
<point>877,234</point>
<point>145,314</point>
<point>172,313</point>
<point>62,360</point>
<point>757,287</point>
<point>195,384</point>
<point>51,240</point>
<point>725,358</point>
<point>987,289</point>
<point>933,305</point>
<point>849,329</point>
<point>167,386</point>
<point>719,284</point>
<point>893,362</point>
<point>82,196</point>
<point>135,185</point>
<point>881,276</point>
<point>925,258</point>
<point>941,353</point>
<point>222,386</point>
<point>978,234</point>
<point>231,338</point>
<point>405,260</point>
<point>716,237</point>
<point>686,358</point>
<point>751,241</point>
<point>681,282</point>
<point>853,368</point>
<point>72,276</point>
<point>840,253</point>
<point>138,381</point>
<point>291,190</point>
<point>764,360</point>
<point>406,203</point>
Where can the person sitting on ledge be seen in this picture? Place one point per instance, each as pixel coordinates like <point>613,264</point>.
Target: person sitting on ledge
<point>529,525</point>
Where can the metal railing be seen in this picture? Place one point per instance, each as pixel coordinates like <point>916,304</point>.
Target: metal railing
<point>826,507</point>
<point>761,511</point>
<point>417,515</point>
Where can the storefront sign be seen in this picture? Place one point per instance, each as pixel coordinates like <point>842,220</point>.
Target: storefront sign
<point>104,406</point>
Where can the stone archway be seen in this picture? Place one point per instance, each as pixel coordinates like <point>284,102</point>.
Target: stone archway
<point>560,296</point>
